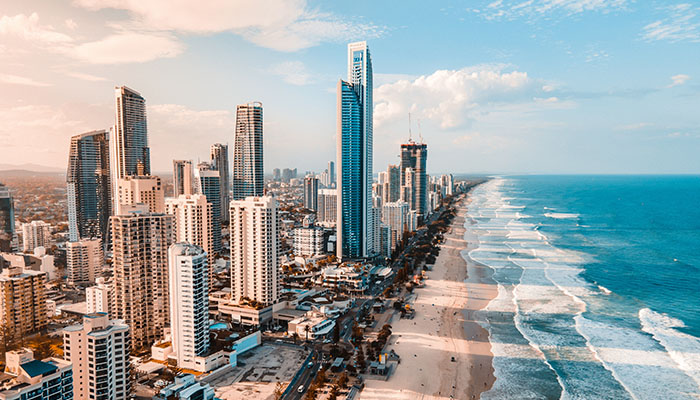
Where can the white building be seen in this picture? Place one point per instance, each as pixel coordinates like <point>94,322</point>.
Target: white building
<point>327,212</point>
<point>311,326</point>
<point>140,190</point>
<point>255,229</point>
<point>30,379</point>
<point>100,298</point>
<point>35,234</point>
<point>193,221</point>
<point>99,352</point>
<point>309,241</point>
<point>189,303</point>
<point>395,215</point>
<point>84,260</point>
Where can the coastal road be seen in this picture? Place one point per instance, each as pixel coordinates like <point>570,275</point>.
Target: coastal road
<point>307,376</point>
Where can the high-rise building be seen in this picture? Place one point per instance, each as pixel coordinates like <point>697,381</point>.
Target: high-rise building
<point>89,188</point>
<point>354,156</point>
<point>140,189</point>
<point>49,379</point>
<point>414,156</point>
<point>311,193</point>
<point>189,303</point>
<point>182,177</point>
<point>248,178</point>
<point>408,188</point>
<point>255,227</point>
<point>276,175</point>
<point>7,220</point>
<point>219,162</point>
<point>331,173</point>
<point>140,242</point>
<point>84,260</point>
<point>327,212</point>
<point>395,216</point>
<point>99,350</point>
<point>193,221</point>
<point>100,298</point>
<point>392,190</point>
<point>207,182</point>
<point>22,301</point>
<point>36,234</point>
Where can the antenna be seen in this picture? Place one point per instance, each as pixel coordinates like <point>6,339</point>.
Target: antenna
<point>420,132</point>
<point>409,127</point>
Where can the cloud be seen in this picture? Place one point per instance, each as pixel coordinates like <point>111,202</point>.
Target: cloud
<point>85,77</point>
<point>452,97</point>
<point>532,9</point>
<point>679,79</point>
<point>293,72</point>
<point>681,24</point>
<point>634,127</point>
<point>128,47</point>
<point>70,24</point>
<point>20,80</point>
<point>28,28</point>
<point>284,25</point>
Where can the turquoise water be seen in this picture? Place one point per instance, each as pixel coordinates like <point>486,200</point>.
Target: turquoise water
<point>218,326</point>
<point>599,280</point>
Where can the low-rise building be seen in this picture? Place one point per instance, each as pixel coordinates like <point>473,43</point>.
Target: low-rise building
<point>186,387</point>
<point>30,379</point>
<point>345,278</point>
<point>311,326</point>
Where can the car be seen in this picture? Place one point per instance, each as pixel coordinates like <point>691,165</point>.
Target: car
<point>301,389</point>
<point>310,364</point>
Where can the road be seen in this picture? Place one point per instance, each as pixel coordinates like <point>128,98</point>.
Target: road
<point>307,376</point>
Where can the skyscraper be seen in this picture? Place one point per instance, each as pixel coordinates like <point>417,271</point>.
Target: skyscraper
<point>354,156</point>
<point>311,192</point>
<point>99,350</point>
<point>23,304</point>
<point>331,173</point>
<point>193,221</point>
<point>248,152</point>
<point>327,212</point>
<point>219,162</point>
<point>414,156</point>
<point>189,303</point>
<point>139,189</point>
<point>88,186</point>
<point>182,177</point>
<point>392,190</point>
<point>130,134</point>
<point>7,220</point>
<point>140,243</point>
<point>207,182</point>
<point>255,271</point>
<point>84,260</point>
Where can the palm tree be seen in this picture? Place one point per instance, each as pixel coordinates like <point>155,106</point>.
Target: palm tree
<point>307,329</point>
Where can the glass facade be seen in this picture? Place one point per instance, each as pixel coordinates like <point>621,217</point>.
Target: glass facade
<point>248,152</point>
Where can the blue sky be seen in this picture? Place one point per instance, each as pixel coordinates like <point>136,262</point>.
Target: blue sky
<point>541,86</point>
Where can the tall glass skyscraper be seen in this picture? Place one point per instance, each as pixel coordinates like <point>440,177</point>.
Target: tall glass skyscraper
<point>248,152</point>
<point>88,186</point>
<point>414,156</point>
<point>219,161</point>
<point>208,183</point>
<point>354,156</point>
<point>7,220</point>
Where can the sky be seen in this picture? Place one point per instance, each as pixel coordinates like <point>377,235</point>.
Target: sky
<point>538,86</point>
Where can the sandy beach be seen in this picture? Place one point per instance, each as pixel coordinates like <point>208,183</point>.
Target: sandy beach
<point>443,328</point>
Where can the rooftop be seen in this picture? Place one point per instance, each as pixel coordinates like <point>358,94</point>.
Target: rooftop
<point>35,368</point>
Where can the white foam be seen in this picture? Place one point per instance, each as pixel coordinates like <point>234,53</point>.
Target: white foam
<point>683,348</point>
<point>604,289</point>
<point>561,215</point>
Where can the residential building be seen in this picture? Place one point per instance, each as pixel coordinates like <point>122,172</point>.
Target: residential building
<point>414,156</point>
<point>395,216</point>
<point>140,241</point>
<point>208,183</point>
<point>310,241</point>
<point>186,387</point>
<point>311,193</point>
<point>22,301</point>
<point>255,271</point>
<point>84,260</point>
<point>248,172</point>
<point>89,189</point>
<point>100,298</point>
<point>8,239</point>
<point>392,186</point>
<point>36,234</point>
<point>140,189</point>
<point>189,303</point>
<point>30,379</point>
<point>99,350</point>
<point>354,156</point>
<point>182,177</point>
<point>219,161</point>
<point>331,173</point>
<point>276,175</point>
<point>193,221</point>
<point>327,212</point>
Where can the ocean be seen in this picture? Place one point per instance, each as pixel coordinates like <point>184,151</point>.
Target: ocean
<point>598,285</point>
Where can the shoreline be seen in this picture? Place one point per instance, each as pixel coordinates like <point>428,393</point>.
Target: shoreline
<point>444,327</point>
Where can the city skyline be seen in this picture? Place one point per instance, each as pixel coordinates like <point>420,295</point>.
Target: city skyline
<point>498,90</point>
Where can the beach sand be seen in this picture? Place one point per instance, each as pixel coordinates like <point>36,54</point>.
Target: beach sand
<point>443,328</point>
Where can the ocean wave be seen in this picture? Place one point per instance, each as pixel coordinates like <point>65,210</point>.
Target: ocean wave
<point>683,348</point>
<point>562,215</point>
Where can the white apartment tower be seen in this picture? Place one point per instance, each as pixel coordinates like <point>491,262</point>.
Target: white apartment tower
<point>35,234</point>
<point>134,190</point>
<point>84,260</point>
<point>327,213</point>
<point>140,242</point>
<point>99,352</point>
<point>189,303</point>
<point>255,229</point>
<point>193,221</point>
<point>100,298</point>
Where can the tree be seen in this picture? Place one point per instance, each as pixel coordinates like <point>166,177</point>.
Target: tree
<point>279,391</point>
<point>336,333</point>
<point>295,337</point>
<point>43,350</point>
<point>307,329</point>
<point>361,363</point>
<point>311,392</point>
<point>343,380</point>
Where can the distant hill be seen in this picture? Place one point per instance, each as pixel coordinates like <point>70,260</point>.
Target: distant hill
<point>22,173</point>
<point>31,168</point>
